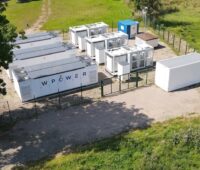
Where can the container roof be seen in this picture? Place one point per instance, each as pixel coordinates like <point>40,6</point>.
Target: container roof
<point>43,60</point>
<point>128,22</point>
<point>88,26</point>
<point>78,28</point>
<point>127,50</point>
<point>36,37</point>
<point>147,36</point>
<point>181,61</point>
<point>52,68</point>
<point>96,25</point>
<point>42,50</point>
<point>107,36</point>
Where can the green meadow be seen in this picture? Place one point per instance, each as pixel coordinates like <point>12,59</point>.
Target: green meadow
<point>185,20</point>
<point>21,14</point>
<point>174,144</point>
<point>70,13</point>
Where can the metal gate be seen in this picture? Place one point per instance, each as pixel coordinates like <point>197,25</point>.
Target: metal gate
<point>127,82</point>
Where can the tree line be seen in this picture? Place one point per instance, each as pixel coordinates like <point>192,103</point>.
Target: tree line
<point>154,8</point>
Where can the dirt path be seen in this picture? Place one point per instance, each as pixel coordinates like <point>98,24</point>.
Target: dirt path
<point>53,132</point>
<point>46,12</point>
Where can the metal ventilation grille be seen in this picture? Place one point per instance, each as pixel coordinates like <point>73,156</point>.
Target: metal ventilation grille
<point>40,53</point>
<point>36,37</point>
<point>39,48</point>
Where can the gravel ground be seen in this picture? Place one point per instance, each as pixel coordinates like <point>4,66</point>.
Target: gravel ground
<point>55,131</point>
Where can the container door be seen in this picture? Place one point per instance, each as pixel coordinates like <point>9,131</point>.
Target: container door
<point>133,61</point>
<point>133,31</point>
<point>141,61</point>
<point>122,58</point>
<point>99,45</point>
<point>109,65</point>
<point>89,49</point>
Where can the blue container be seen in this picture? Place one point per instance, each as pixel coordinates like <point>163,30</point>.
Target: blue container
<point>129,27</point>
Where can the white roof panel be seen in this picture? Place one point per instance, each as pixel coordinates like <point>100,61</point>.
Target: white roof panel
<point>181,60</point>
<point>96,25</point>
<point>42,50</point>
<point>44,59</point>
<point>36,37</point>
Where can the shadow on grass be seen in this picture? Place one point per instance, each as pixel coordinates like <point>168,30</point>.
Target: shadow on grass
<point>26,1</point>
<point>174,23</point>
<point>169,10</point>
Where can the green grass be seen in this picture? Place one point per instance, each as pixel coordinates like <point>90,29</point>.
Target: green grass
<point>170,145</point>
<point>66,13</point>
<point>186,21</point>
<point>21,14</point>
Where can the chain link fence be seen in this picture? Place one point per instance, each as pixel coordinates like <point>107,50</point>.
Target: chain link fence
<point>127,82</point>
<point>179,45</point>
<point>82,95</point>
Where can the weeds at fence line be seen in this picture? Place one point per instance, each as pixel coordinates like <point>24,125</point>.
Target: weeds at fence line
<point>177,43</point>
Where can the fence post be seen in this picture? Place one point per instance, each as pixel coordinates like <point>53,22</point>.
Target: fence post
<point>186,47</point>
<point>168,37</point>
<point>120,87</point>
<point>59,103</point>
<point>102,92</point>
<point>173,40</point>
<point>179,48</point>
<point>81,92</point>
<point>146,77</point>
<point>111,86</point>
<point>112,26</point>
<point>129,79</point>
<point>136,79</point>
<point>35,106</point>
<point>159,29</point>
<point>163,34</point>
<point>9,110</point>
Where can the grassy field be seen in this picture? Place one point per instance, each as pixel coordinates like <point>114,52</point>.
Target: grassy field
<point>185,20</point>
<point>21,14</point>
<point>168,146</point>
<point>67,13</point>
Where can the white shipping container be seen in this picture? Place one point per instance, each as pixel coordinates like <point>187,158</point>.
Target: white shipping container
<point>136,57</point>
<point>105,41</point>
<point>77,31</point>
<point>33,82</point>
<point>86,31</point>
<point>178,72</point>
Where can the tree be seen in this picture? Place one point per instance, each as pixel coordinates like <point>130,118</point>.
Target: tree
<point>154,7</point>
<point>7,38</point>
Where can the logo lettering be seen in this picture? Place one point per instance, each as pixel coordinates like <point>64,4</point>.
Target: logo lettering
<point>44,83</point>
<point>68,77</point>
<point>53,80</point>
<point>60,79</point>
